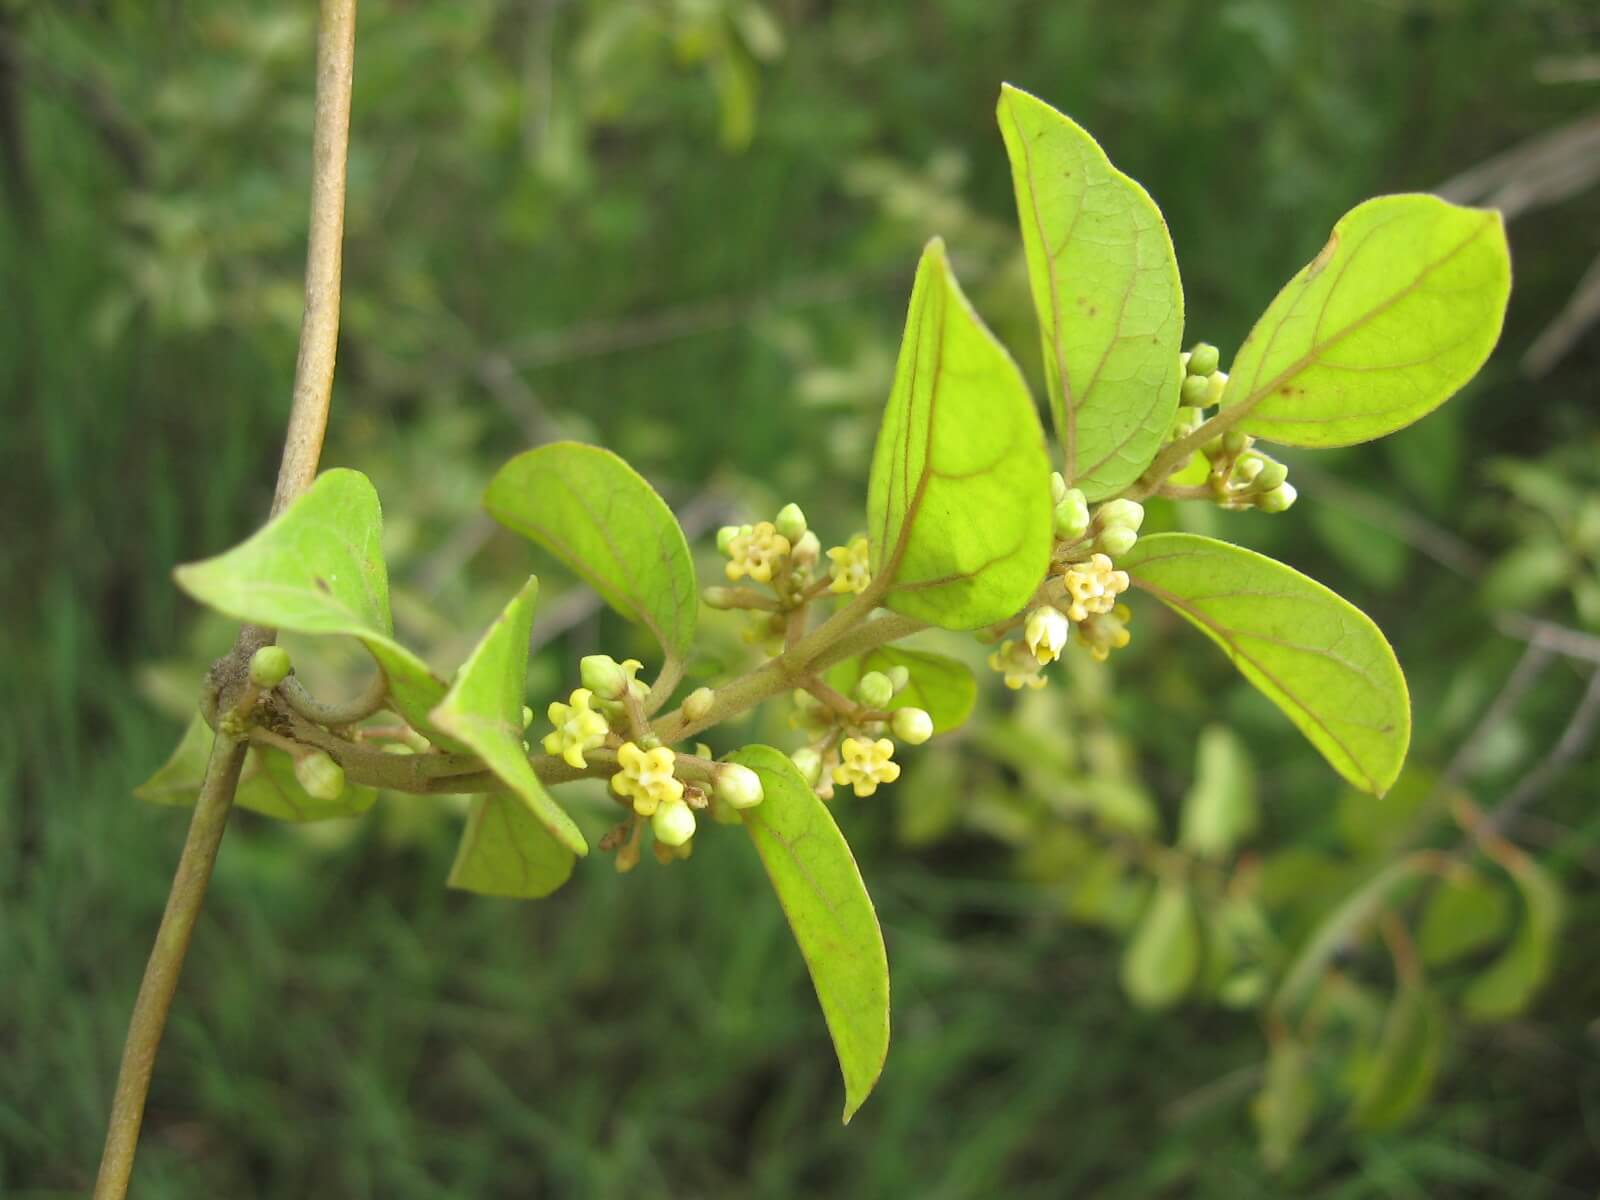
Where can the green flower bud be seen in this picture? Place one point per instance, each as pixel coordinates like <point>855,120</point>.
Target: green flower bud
<point>269,666</point>
<point>875,690</point>
<point>1058,487</point>
<point>1278,499</point>
<point>527,716</point>
<point>698,703</point>
<point>673,823</point>
<point>791,522</point>
<point>1121,514</point>
<point>1195,389</point>
<point>912,725</point>
<point>1072,516</point>
<point>1248,467</point>
<point>809,763</point>
<point>718,597</point>
<point>1204,359</point>
<point>1116,541</point>
<point>603,675</point>
<point>1183,363</point>
<point>1236,441</point>
<point>806,550</point>
<point>1215,386</point>
<point>320,776</point>
<point>1272,474</point>
<point>725,535</point>
<point>738,786</point>
<point>899,677</point>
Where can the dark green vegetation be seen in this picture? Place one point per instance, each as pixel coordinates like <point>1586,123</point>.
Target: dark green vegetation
<point>692,241</point>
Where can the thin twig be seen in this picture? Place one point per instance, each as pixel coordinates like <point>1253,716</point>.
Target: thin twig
<point>1578,733</point>
<point>308,422</point>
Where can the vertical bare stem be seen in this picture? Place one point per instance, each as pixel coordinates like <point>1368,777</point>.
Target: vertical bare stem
<point>308,422</point>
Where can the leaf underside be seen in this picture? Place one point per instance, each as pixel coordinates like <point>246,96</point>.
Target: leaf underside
<point>506,851</point>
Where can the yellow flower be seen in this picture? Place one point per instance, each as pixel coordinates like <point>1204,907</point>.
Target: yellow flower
<point>1018,664</point>
<point>756,551</point>
<point>1104,632</point>
<point>1093,587</point>
<point>646,778</point>
<point>577,728</point>
<point>848,567</point>
<point>866,764</point>
<point>1046,633</point>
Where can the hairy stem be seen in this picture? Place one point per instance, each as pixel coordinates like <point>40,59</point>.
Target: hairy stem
<point>308,422</point>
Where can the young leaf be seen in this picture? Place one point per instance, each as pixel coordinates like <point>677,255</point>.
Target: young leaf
<point>1396,312</point>
<point>506,851</point>
<point>941,686</point>
<point>318,568</point>
<point>1105,285</point>
<point>1511,981</point>
<point>267,783</point>
<point>822,894</point>
<point>1312,653</point>
<point>1284,1107</point>
<point>484,710</point>
<point>598,515</point>
<point>1163,958</point>
<point>958,506</point>
<point>1399,1074</point>
<point>1220,808</point>
<point>1462,916</point>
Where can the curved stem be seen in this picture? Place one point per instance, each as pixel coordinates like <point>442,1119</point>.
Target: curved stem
<point>166,963</point>
<point>302,450</point>
<point>361,707</point>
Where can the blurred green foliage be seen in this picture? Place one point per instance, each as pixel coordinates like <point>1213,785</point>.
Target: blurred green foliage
<point>686,229</point>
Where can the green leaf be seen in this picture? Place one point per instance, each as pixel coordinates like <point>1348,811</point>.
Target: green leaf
<point>1105,285</point>
<point>1399,1074</point>
<point>1313,654</point>
<point>318,568</point>
<point>943,687</point>
<point>958,506</point>
<point>1161,962</point>
<point>484,710</point>
<point>1507,986</point>
<point>598,515</point>
<point>1462,916</point>
<point>1284,1108</point>
<point>506,851</point>
<point>1396,312</point>
<point>267,783</point>
<point>1220,808</point>
<point>822,894</point>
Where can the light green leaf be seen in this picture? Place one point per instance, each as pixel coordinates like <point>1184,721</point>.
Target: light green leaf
<point>1105,285</point>
<point>822,894</point>
<point>1396,312</point>
<point>1398,1075</point>
<point>958,506</point>
<point>1509,983</point>
<point>1313,654</point>
<point>598,515</point>
<point>942,686</point>
<point>1284,1108</point>
<point>484,710</point>
<point>506,851</point>
<point>1462,916</point>
<point>267,783</point>
<point>318,568</point>
<point>1220,808</point>
<point>1160,963</point>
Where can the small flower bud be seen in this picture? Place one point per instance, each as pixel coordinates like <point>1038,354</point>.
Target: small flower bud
<point>1046,633</point>
<point>738,786</point>
<point>809,764</point>
<point>527,716</point>
<point>1278,499</point>
<point>725,536</point>
<point>673,823</point>
<point>1236,441</point>
<point>1195,390</point>
<point>698,703</point>
<point>1204,359</point>
<point>1214,388</point>
<point>718,597</point>
<point>899,678</point>
<point>791,522</point>
<point>1116,541</point>
<point>1183,362</point>
<point>807,549</point>
<point>269,666</point>
<point>1058,487</point>
<point>1248,467</point>
<point>603,675</point>
<point>320,776</point>
<point>875,690</point>
<point>912,725</point>
<point>1272,474</point>
<point>1121,514</point>
<point>1072,516</point>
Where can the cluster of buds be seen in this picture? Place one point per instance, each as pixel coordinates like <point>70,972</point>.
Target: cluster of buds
<point>849,746</point>
<point>1244,477</point>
